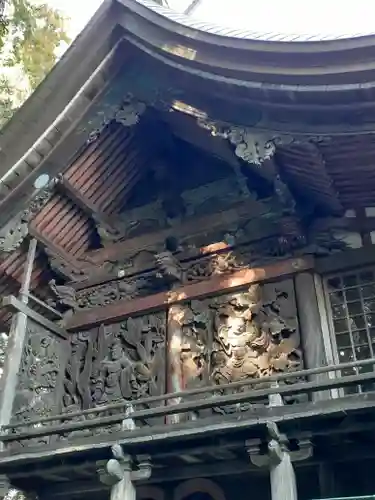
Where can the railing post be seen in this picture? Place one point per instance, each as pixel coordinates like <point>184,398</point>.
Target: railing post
<point>119,474</point>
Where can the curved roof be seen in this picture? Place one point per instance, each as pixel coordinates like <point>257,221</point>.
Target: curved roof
<point>214,28</point>
<point>296,87</point>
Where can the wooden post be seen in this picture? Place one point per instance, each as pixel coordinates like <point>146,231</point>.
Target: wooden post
<point>15,347</point>
<point>311,328</point>
<point>118,473</point>
<point>174,347</point>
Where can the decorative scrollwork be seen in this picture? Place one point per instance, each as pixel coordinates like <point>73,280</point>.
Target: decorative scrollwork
<point>127,112</point>
<point>13,234</point>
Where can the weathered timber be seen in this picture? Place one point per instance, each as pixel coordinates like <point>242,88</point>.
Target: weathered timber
<point>193,406</point>
<point>84,204</point>
<point>228,338</point>
<point>18,306</point>
<point>190,228</point>
<point>15,347</point>
<point>67,266</point>
<point>98,275</point>
<point>310,324</point>
<point>204,390</point>
<point>123,309</point>
<point>309,415</point>
<point>46,307</point>
<point>345,260</point>
<point>69,138</point>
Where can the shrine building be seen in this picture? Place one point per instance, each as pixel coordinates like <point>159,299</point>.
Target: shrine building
<point>187,266</point>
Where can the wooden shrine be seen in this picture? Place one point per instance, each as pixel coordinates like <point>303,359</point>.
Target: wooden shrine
<point>187,267</point>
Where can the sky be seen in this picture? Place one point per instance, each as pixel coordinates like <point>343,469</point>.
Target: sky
<point>283,16</point>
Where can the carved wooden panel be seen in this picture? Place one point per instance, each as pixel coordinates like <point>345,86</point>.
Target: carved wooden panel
<point>113,363</point>
<point>40,382</point>
<point>248,334</point>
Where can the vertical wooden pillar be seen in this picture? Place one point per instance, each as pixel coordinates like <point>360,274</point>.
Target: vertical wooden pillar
<point>174,347</point>
<point>310,321</point>
<point>15,347</point>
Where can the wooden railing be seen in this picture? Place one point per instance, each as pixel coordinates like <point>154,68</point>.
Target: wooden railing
<point>92,420</point>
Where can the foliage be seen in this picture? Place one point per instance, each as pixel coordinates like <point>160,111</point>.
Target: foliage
<point>30,35</point>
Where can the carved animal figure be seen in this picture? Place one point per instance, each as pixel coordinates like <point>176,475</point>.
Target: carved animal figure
<point>64,300</point>
<point>169,267</point>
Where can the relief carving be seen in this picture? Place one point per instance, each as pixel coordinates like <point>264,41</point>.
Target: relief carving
<point>252,146</point>
<point>113,291</point>
<point>39,387</point>
<point>126,111</point>
<point>13,234</point>
<point>229,338</point>
<point>64,300</point>
<point>170,209</point>
<point>117,362</point>
<point>163,270</point>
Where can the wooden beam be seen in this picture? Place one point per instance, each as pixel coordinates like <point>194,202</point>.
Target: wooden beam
<point>310,416</point>
<point>345,260</point>
<point>229,282</point>
<point>249,209</point>
<point>18,306</point>
<point>149,266</point>
<point>69,267</point>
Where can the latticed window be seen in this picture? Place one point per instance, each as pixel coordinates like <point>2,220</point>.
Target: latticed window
<point>351,298</point>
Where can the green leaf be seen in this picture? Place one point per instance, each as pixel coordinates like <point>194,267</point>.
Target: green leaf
<point>30,35</point>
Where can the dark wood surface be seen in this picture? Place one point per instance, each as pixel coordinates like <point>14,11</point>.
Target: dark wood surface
<point>237,279</point>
